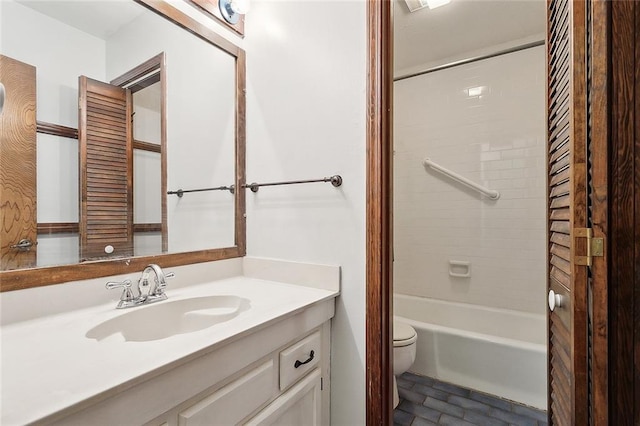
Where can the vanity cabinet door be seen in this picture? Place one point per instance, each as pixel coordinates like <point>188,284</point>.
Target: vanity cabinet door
<point>300,405</point>
<point>235,401</point>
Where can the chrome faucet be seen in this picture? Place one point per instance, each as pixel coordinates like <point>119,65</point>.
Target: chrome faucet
<point>146,293</point>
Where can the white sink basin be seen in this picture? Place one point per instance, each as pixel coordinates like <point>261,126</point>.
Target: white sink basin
<point>166,319</point>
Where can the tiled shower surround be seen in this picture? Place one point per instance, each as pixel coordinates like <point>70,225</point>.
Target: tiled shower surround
<point>484,120</point>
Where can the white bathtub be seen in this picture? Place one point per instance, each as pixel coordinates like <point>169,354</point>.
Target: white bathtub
<point>497,351</point>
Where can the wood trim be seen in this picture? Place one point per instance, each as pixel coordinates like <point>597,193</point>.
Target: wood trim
<point>624,204</point>
<point>379,227</point>
<point>148,146</point>
<point>144,83</point>
<point>189,24</point>
<point>147,227</point>
<point>48,228</point>
<point>147,67</point>
<point>579,212</point>
<point>74,228</point>
<point>599,163</point>
<point>636,273</point>
<point>156,65</point>
<point>56,130</point>
<point>211,9</point>
<point>240,195</point>
<point>27,278</point>
<point>163,155</point>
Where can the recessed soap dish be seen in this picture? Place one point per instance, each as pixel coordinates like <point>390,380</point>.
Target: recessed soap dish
<point>459,269</point>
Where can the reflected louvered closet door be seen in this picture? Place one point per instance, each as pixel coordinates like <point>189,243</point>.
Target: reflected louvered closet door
<point>566,139</point>
<point>106,170</point>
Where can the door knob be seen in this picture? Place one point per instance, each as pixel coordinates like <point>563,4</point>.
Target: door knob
<point>555,300</point>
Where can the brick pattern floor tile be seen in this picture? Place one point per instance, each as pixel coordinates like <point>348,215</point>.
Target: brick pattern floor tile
<point>427,401</point>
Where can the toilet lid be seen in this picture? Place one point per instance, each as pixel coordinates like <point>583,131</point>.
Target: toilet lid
<point>403,334</point>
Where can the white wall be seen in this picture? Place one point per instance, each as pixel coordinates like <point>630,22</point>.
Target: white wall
<point>147,169</point>
<point>306,87</point>
<point>497,140</point>
<point>200,126</point>
<point>26,35</point>
<point>306,98</point>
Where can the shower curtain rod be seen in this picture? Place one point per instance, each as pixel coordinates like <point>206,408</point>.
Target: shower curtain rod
<point>473,59</point>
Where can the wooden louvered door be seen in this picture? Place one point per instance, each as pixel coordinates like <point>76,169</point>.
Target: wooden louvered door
<point>106,170</point>
<point>568,210</point>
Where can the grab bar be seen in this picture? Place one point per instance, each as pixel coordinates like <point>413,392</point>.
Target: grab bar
<point>494,195</point>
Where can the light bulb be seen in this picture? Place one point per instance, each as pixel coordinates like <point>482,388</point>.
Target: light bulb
<point>240,6</point>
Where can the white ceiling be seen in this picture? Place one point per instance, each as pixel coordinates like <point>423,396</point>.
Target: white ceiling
<point>422,38</point>
<point>427,37</point>
<point>101,18</point>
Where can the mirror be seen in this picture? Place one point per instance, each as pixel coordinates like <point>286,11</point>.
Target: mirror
<point>134,101</point>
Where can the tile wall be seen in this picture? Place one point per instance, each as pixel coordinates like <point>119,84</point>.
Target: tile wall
<point>495,138</point>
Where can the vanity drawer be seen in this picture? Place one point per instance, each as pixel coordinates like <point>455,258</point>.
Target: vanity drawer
<point>230,404</point>
<point>298,359</point>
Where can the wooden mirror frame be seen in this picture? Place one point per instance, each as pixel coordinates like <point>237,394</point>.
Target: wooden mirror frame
<point>41,276</point>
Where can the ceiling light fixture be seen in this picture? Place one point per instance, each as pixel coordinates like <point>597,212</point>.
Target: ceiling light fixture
<point>232,9</point>
<point>414,5</point>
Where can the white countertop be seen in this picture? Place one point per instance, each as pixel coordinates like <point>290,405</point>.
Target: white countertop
<point>48,364</point>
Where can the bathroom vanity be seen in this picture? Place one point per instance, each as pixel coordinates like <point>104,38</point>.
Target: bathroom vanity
<point>264,360</point>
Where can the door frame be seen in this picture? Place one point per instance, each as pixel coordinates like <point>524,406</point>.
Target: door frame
<point>379,214</point>
<point>614,370</point>
<point>623,324</point>
<point>152,71</point>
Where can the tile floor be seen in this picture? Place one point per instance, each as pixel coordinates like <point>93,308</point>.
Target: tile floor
<point>426,401</point>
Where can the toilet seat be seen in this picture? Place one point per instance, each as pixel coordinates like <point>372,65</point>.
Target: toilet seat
<point>403,334</point>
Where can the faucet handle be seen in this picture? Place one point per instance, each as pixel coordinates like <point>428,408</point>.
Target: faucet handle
<point>127,294</point>
<point>162,284</point>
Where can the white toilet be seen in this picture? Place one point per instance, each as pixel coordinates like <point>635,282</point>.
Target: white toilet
<point>404,352</point>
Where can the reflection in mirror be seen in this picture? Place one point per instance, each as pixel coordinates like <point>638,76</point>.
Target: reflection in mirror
<point>150,236</point>
<point>183,123</point>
